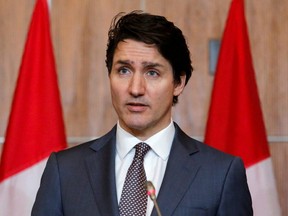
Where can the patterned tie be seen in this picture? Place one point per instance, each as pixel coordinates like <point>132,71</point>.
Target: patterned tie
<point>133,199</point>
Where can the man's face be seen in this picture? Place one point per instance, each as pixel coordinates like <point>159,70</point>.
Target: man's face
<point>142,88</point>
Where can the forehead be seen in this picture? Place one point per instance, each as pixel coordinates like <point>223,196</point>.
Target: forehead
<point>135,50</point>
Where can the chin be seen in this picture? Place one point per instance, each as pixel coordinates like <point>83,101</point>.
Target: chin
<point>136,125</point>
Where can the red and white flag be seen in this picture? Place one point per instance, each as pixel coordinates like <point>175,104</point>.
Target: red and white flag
<point>35,126</point>
<point>235,123</point>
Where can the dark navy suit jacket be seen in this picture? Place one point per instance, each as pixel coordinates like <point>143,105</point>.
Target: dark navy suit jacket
<point>198,181</point>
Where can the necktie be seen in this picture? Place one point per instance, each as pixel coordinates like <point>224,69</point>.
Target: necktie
<point>133,199</point>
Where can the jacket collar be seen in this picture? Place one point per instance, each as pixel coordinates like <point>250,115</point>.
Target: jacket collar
<point>180,172</point>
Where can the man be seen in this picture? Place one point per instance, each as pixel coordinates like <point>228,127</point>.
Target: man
<point>149,65</point>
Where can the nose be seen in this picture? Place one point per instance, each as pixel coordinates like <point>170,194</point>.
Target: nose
<point>137,85</point>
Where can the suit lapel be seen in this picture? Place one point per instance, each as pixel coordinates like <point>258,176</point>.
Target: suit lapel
<point>180,172</point>
<point>101,169</point>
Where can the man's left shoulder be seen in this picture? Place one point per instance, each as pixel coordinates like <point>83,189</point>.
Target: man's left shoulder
<point>202,150</point>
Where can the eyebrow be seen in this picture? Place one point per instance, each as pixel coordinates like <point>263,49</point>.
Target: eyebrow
<point>145,63</point>
<point>151,64</point>
<point>124,62</point>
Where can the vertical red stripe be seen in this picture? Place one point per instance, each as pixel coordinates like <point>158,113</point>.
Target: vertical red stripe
<point>35,127</point>
<point>235,123</point>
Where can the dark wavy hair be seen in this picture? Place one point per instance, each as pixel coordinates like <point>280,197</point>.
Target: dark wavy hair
<point>156,30</point>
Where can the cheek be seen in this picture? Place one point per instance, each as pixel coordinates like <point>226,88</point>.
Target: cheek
<point>163,94</point>
<point>115,92</point>
<point>118,93</point>
<point>114,86</point>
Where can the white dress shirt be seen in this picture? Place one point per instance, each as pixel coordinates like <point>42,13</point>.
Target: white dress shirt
<point>155,160</point>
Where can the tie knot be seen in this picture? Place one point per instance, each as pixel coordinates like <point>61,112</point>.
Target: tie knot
<point>141,150</point>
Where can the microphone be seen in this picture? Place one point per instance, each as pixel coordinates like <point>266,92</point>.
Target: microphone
<point>151,193</point>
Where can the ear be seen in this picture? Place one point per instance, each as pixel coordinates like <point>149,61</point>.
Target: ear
<point>179,87</point>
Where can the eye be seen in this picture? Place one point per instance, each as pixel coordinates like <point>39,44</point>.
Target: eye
<point>152,73</point>
<point>123,70</point>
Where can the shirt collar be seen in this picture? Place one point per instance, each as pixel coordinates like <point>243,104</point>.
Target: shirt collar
<point>160,142</point>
